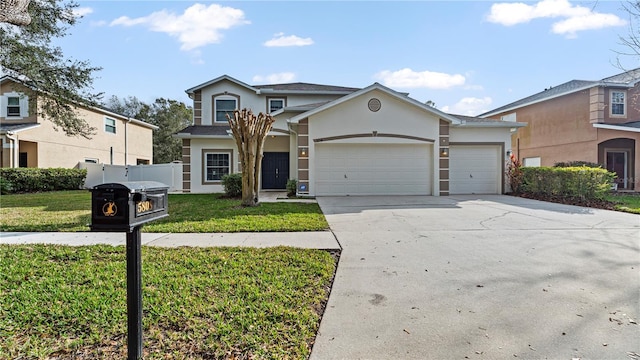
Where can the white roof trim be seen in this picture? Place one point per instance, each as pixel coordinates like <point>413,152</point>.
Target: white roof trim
<point>386,90</point>
<point>220,78</point>
<point>616,127</point>
<point>11,132</point>
<point>492,124</point>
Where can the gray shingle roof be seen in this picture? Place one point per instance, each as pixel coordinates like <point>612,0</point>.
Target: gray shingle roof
<point>627,78</point>
<point>4,128</point>
<point>206,130</point>
<point>300,86</point>
<point>631,124</point>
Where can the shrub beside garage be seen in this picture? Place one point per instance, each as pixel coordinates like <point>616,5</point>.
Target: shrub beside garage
<point>577,182</point>
<point>27,180</point>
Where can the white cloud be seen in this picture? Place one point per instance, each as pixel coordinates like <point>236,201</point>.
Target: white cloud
<point>469,106</point>
<point>407,78</point>
<point>278,78</point>
<point>576,18</point>
<point>82,11</point>
<point>570,26</point>
<point>292,40</point>
<point>198,26</point>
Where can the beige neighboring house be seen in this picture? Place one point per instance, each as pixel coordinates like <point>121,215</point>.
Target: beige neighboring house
<point>338,140</point>
<point>28,140</point>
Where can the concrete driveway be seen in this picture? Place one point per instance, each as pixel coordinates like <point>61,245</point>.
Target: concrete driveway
<point>480,277</point>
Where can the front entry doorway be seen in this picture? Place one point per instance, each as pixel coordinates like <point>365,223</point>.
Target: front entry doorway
<point>617,163</point>
<point>275,170</point>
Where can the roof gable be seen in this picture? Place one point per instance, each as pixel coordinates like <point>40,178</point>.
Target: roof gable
<point>376,86</point>
<point>286,88</point>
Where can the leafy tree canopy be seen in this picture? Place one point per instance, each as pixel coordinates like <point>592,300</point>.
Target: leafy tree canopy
<point>170,116</point>
<point>27,54</point>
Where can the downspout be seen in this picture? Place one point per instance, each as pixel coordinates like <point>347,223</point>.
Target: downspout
<point>126,141</point>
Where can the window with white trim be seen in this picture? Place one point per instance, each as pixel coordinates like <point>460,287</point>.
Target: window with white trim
<point>275,105</point>
<point>224,105</point>
<point>109,125</point>
<point>618,103</point>
<point>217,164</point>
<point>14,105</point>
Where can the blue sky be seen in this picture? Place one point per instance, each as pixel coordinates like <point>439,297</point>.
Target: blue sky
<point>466,56</point>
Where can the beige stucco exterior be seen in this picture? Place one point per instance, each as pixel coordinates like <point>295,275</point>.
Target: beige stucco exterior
<point>45,146</point>
<point>565,128</point>
<point>310,124</point>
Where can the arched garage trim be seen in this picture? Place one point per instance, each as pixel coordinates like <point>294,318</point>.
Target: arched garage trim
<point>373,134</point>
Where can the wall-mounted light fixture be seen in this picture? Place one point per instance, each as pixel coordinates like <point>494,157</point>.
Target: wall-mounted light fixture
<point>444,151</point>
<point>509,152</point>
<point>303,151</point>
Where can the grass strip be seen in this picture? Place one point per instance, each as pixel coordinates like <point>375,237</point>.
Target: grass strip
<point>626,202</point>
<point>201,213</point>
<point>70,302</point>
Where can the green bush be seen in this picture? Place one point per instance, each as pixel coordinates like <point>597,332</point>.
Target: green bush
<point>232,184</point>
<point>5,186</point>
<point>27,180</point>
<point>567,182</point>
<point>292,187</point>
<point>577,163</point>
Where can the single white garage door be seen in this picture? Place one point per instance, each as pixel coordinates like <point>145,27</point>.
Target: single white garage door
<point>373,169</point>
<point>475,169</point>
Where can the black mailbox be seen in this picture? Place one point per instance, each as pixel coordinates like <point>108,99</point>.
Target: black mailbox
<point>120,207</point>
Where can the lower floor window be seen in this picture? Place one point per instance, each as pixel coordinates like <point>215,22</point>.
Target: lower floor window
<point>217,165</point>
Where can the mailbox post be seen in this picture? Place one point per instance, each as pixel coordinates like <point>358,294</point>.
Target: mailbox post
<point>125,207</point>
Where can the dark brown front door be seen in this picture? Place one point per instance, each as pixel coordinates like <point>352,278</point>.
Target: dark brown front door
<point>617,162</point>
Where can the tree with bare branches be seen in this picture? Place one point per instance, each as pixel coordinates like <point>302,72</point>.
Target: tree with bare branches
<point>250,132</point>
<point>632,40</point>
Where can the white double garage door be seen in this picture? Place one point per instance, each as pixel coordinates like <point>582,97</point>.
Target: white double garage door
<point>404,169</point>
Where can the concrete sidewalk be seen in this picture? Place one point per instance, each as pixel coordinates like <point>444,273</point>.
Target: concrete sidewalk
<point>307,240</point>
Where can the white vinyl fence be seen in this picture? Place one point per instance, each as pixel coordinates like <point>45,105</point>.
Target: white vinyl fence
<point>168,174</point>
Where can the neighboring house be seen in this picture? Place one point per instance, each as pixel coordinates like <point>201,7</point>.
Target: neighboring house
<point>594,121</point>
<point>28,140</point>
<point>345,141</point>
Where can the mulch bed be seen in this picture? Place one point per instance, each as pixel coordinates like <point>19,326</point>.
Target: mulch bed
<point>592,203</point>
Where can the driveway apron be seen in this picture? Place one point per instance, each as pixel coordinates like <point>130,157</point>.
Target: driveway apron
<point>480,277</point>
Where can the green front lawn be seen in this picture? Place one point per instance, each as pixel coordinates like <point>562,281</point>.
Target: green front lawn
<point>71,211</point>
<point>70,302</point>
<point>626,202</point>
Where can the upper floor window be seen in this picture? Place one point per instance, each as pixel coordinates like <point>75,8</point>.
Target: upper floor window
<point>275,105</point>
<point>13,105</point>
<point>224,105</point>
<point>110,125</point>
<point>618,102</point>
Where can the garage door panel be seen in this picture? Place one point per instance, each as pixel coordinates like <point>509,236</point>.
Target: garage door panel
<point>475,169</point>
<point>390,169</point>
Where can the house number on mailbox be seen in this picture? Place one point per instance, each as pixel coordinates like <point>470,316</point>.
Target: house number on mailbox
<point>144,206</point>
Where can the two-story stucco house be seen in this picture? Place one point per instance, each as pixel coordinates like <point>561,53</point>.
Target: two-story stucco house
<point>595,121</point>
<point>28,140</point>
<point>345,141</point>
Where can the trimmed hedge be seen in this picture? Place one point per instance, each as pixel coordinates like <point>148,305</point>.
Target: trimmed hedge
<point>27,180</point>
<point>567,182</point>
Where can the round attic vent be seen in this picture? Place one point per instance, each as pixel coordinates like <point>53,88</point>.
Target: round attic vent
<point>374,104</point>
